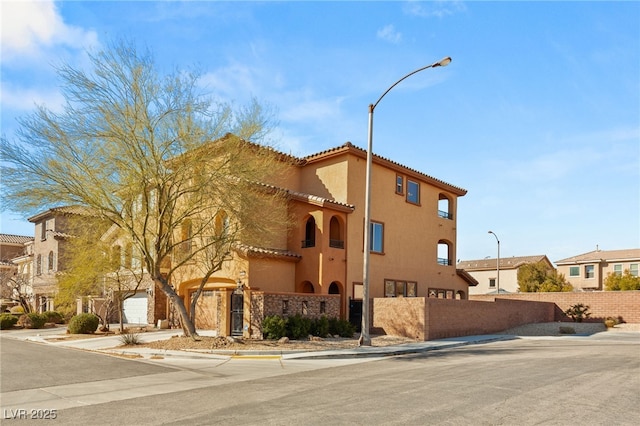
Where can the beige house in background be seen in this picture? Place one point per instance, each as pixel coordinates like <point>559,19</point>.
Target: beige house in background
<point>589,270</point>
<point>485,272</point>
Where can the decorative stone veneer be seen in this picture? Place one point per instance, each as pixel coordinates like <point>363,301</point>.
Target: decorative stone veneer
<point>289,304</point>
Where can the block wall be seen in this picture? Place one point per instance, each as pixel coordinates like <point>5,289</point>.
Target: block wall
<point>624,305</point>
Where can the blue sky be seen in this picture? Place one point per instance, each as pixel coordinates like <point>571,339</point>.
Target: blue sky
<point>537,116</point>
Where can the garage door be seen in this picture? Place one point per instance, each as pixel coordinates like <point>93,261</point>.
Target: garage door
<point>135,309</point>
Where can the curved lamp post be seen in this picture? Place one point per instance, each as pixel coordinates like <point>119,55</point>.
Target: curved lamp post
<point>365,338</point>
<point>497,263</point>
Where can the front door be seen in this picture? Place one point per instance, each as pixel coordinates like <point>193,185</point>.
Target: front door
<point>237,303</point>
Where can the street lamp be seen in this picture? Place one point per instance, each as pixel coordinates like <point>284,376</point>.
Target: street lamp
<point>365,338</point>
<point>497,263</point>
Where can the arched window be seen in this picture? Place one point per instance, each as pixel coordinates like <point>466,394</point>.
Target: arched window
<point>444,252</point>
<point>334,288</point>
<point>336,238</point>
<point>51,262</point>
<point>309,233</point>
<point>444,207</point>
<point>39,265</point>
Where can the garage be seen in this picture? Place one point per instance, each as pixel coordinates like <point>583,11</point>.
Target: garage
<point>135,308</point>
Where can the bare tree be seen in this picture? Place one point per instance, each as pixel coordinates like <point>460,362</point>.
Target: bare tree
<point>13,286</point>
<point>149,153</point>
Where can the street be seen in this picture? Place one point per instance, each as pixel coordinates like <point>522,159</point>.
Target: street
<point>569,380</point>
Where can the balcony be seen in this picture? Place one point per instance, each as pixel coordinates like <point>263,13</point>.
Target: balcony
<point>308,243</point>
<point>444,262</point>
<point>336,244</point>
<point>445,215</point>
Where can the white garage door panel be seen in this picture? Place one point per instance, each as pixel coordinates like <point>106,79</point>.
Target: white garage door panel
<point>135,309</point>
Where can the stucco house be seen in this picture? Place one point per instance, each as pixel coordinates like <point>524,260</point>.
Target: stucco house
<point>485,271</point>
<point>588,271</point>
<point>315,268</point>
<point>15,267</point>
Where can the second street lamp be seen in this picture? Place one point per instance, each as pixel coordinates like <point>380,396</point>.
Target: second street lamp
<point>365,338</point>
<point>497,263</point>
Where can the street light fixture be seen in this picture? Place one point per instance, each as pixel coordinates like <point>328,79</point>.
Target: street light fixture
<point>497,263</point>
<point>365,338</point>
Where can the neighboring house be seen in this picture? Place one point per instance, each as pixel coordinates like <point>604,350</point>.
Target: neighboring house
<point>588,271</point>
<point>485,271</point>
<point>52,229</point>
<point>316,268</point>
<point>12,246</point>
<point>15,266</point>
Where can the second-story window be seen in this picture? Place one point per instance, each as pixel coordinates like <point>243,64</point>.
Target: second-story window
<point>399,185</point>
<point>309,233</point>
<point>51,262</point>
<point>589,271</point>
<point>376,232</point>
<point>413,192</point>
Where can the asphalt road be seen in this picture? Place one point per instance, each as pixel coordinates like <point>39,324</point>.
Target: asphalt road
<point>552,381</point>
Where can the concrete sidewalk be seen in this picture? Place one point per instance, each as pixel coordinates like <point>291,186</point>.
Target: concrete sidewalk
<point>109,344</point>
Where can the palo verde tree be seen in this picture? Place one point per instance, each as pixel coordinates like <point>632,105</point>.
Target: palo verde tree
<point>149,153</point>
<point>540,277</point>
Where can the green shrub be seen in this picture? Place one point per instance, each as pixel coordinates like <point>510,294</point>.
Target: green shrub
<point>298,327</point>
<point>32,320</point>
<point>342,328</point>
<point>578,312</point>
<point>54,317</point>
<point>7,321</point>
<point>274,327</point>
<point>83,324</point>
<point>320,327</point>
<point>17,310</point>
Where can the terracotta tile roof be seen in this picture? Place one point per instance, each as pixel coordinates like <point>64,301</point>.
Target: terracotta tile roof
<point>505,262</point>
<point>603,255</point>
<point>310,198</point>
<point>14,239</point>
<point>349,147</point>
<point>467,277</point>
<point>62,210</point>
<point>253,251</point>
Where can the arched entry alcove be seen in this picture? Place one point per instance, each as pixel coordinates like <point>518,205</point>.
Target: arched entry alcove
<point>305,287</point>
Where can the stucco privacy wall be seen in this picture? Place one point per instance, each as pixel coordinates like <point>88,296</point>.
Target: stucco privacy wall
<point>428,319</point>
<point>306,304</point>
<point>602,304</point>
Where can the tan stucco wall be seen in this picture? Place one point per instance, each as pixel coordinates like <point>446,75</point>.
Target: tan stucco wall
<point>508,281</point>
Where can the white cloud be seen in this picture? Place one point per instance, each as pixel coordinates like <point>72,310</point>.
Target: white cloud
<point>389,33</point>
<point>438,9</point>
<point>28,27</point>
<point>24,99</point>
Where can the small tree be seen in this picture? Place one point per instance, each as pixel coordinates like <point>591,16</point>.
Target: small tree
<point>626,281</point>
<point>578,312</point>
<point>540,277</point>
